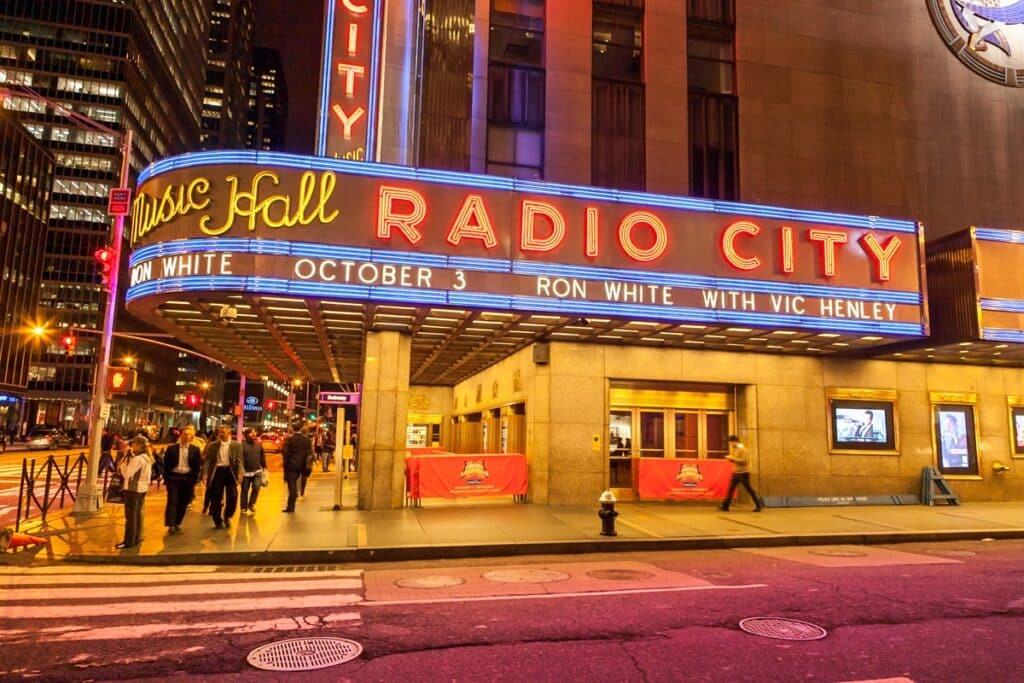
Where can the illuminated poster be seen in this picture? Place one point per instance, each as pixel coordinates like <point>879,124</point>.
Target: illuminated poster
<point>954,439</point>
<point>1017,419</point>
<point>349,79</point>
<point>867,426</point>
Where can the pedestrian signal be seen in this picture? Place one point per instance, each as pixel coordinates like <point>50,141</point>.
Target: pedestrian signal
<point>121,380</point>
<point>104,263</point>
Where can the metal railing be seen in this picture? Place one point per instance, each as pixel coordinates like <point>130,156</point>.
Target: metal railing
<point>59,481</point>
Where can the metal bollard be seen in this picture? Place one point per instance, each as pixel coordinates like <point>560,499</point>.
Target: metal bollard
<point>607,514</point>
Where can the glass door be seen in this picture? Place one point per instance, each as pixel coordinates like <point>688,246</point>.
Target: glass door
<point>716,429</point>
<point>652,434</point>
<point>687,434</point>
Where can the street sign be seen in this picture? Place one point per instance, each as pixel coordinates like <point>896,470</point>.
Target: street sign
<point>339,398</point>
<point>121,380</point>
<point>120,201</point>
<point>291,403</point>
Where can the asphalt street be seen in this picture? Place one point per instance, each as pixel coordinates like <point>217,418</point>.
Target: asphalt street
<point>918,612</point>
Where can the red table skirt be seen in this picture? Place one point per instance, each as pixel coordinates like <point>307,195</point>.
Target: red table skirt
<point>681,479</point>
<point>450,475</point>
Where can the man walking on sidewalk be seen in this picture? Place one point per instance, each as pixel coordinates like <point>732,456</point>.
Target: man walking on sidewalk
<point>295,452</point>
<point>740,474</point>
<point>181,472</point>
<point>223,463</point>
<point>255,469</point>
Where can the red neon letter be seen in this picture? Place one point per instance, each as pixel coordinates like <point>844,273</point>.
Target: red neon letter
<point>347,121</point>
<point>472,223</point>
<point>626,236</point>
<point>350,71</point>
<point>592,246</point>
<point>387,218</point>
<point>786,249</point>
<point>528,240</point>
<point>829,239</point>
<point>729,246</point>
<point>354,8</point>
<point>882,256</point>
<point>353,38</point>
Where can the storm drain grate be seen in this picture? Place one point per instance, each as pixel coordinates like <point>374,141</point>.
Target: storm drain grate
<point>289,569</point>
<point>782,629</point>
<point>430,582</point>
<point>619,574</point>
<point>838,553</point>
<point>304,654</point>
<point>526,576</point>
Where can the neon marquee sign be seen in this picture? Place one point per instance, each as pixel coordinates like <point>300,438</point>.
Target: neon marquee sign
<point>369,232</point>
<point>350,75</point>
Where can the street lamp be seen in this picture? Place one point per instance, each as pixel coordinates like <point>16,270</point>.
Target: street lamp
<point>88,498</point>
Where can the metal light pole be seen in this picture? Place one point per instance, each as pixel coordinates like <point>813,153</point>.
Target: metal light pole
<point>90,498</point>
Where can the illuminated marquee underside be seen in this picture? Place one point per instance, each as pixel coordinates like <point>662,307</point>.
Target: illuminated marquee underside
<point>252,226</point>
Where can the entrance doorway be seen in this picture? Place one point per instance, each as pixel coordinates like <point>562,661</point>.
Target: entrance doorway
<point>675,421</point>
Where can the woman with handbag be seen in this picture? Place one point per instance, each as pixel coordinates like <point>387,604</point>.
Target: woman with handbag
<point>137,470</point>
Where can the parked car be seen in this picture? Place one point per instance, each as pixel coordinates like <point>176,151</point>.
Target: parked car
<point>271,441</point>
<point>45,437</point>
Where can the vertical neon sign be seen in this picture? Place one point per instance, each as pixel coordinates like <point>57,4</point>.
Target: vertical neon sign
<point>349,79</point>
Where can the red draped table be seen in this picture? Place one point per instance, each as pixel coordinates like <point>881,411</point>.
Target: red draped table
<point>680,479</point>
<point>433,473</point>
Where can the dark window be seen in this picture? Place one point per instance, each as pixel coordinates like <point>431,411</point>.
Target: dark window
<point>713,146</point>
<point>712,11</point>
<point>618,148</point>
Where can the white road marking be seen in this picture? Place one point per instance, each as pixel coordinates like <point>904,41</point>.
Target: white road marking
<point>253,605</point>
<point>115,590</point>
<point>191,630</point>
<point>550,596</point>
<point>70,574</point>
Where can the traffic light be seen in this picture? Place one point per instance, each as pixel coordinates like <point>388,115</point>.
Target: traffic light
<point>121,380</point>
<point>271,405</point>
<point>104,263</point>
<point>192,400</point>
<point>69,341</point>
<point>312,417</point>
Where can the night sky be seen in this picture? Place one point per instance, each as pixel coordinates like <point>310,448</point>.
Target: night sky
<point>295,28</point>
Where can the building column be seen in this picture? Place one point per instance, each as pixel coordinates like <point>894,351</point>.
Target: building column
<point>383,415</point>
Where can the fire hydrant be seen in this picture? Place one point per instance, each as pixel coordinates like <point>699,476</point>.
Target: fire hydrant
<point>607,514</point>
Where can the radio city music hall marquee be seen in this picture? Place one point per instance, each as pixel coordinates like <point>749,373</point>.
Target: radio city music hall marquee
<point>282,224</point>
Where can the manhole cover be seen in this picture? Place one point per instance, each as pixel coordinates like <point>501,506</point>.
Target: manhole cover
<point>430,582</point>
<point>782,629</point>
<point>304,654</point>
<point>838,553</point>
<point>953,553</point>
<point>619,574</point>
<point>525,576</point>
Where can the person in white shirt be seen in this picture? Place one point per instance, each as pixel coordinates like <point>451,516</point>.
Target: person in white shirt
<point>223,466</point>
<point>740,474</point>
<point>137,470</point>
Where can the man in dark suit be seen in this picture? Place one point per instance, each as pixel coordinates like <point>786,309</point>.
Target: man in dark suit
<point>181,472</point>
<point>296,452</point>
<point>223,466</point>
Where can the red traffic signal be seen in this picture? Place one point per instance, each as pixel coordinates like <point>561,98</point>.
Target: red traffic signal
<point>69,341</point>
<point>271,405</point>
<point>104,263</point>
<point>192,400</point>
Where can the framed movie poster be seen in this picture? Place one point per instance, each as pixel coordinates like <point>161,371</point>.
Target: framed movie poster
<point>956,446</point>
<point>1017,431</point>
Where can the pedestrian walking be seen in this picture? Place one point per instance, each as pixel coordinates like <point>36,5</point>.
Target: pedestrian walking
<point>255,464</point>
<point>295,453</point>
<point>106,451</point>
<point>223,470</point>
<point>136,470</point>
<point>182,461</point>
<point>328,452</point>
<point>740,474</point>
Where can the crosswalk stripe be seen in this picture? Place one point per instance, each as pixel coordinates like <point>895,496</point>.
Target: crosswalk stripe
<point>17,592</point>
<point>123,609</point>
<point>191,630</point>
<point>74,574</point>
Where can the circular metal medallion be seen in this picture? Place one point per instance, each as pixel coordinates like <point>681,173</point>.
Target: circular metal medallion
<point>782,629</point>
<point>838,553</point>
<point>525,576</point>
<point>986,35</point>
<point>304,654</point>
<point>430,582</point>
<point>619,574</point>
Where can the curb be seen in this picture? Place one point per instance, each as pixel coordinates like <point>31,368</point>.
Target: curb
<point>448,552</point>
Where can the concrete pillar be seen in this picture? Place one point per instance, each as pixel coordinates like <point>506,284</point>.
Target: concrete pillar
<point>481,47</point>
<point>385,406</point>
<point>569,39</point>
<point>667,102</point>
<point>401,44</point>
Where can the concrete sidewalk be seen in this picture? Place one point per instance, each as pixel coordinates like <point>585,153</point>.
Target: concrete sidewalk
<point>315,533</point>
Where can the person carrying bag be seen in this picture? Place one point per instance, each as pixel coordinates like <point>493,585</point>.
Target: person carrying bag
<point>137,471</point>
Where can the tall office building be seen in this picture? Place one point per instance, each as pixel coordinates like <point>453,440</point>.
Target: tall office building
<point>26,175</point>
<point>127,65</point>
<point>268,102</point>
<point>225,101</point>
